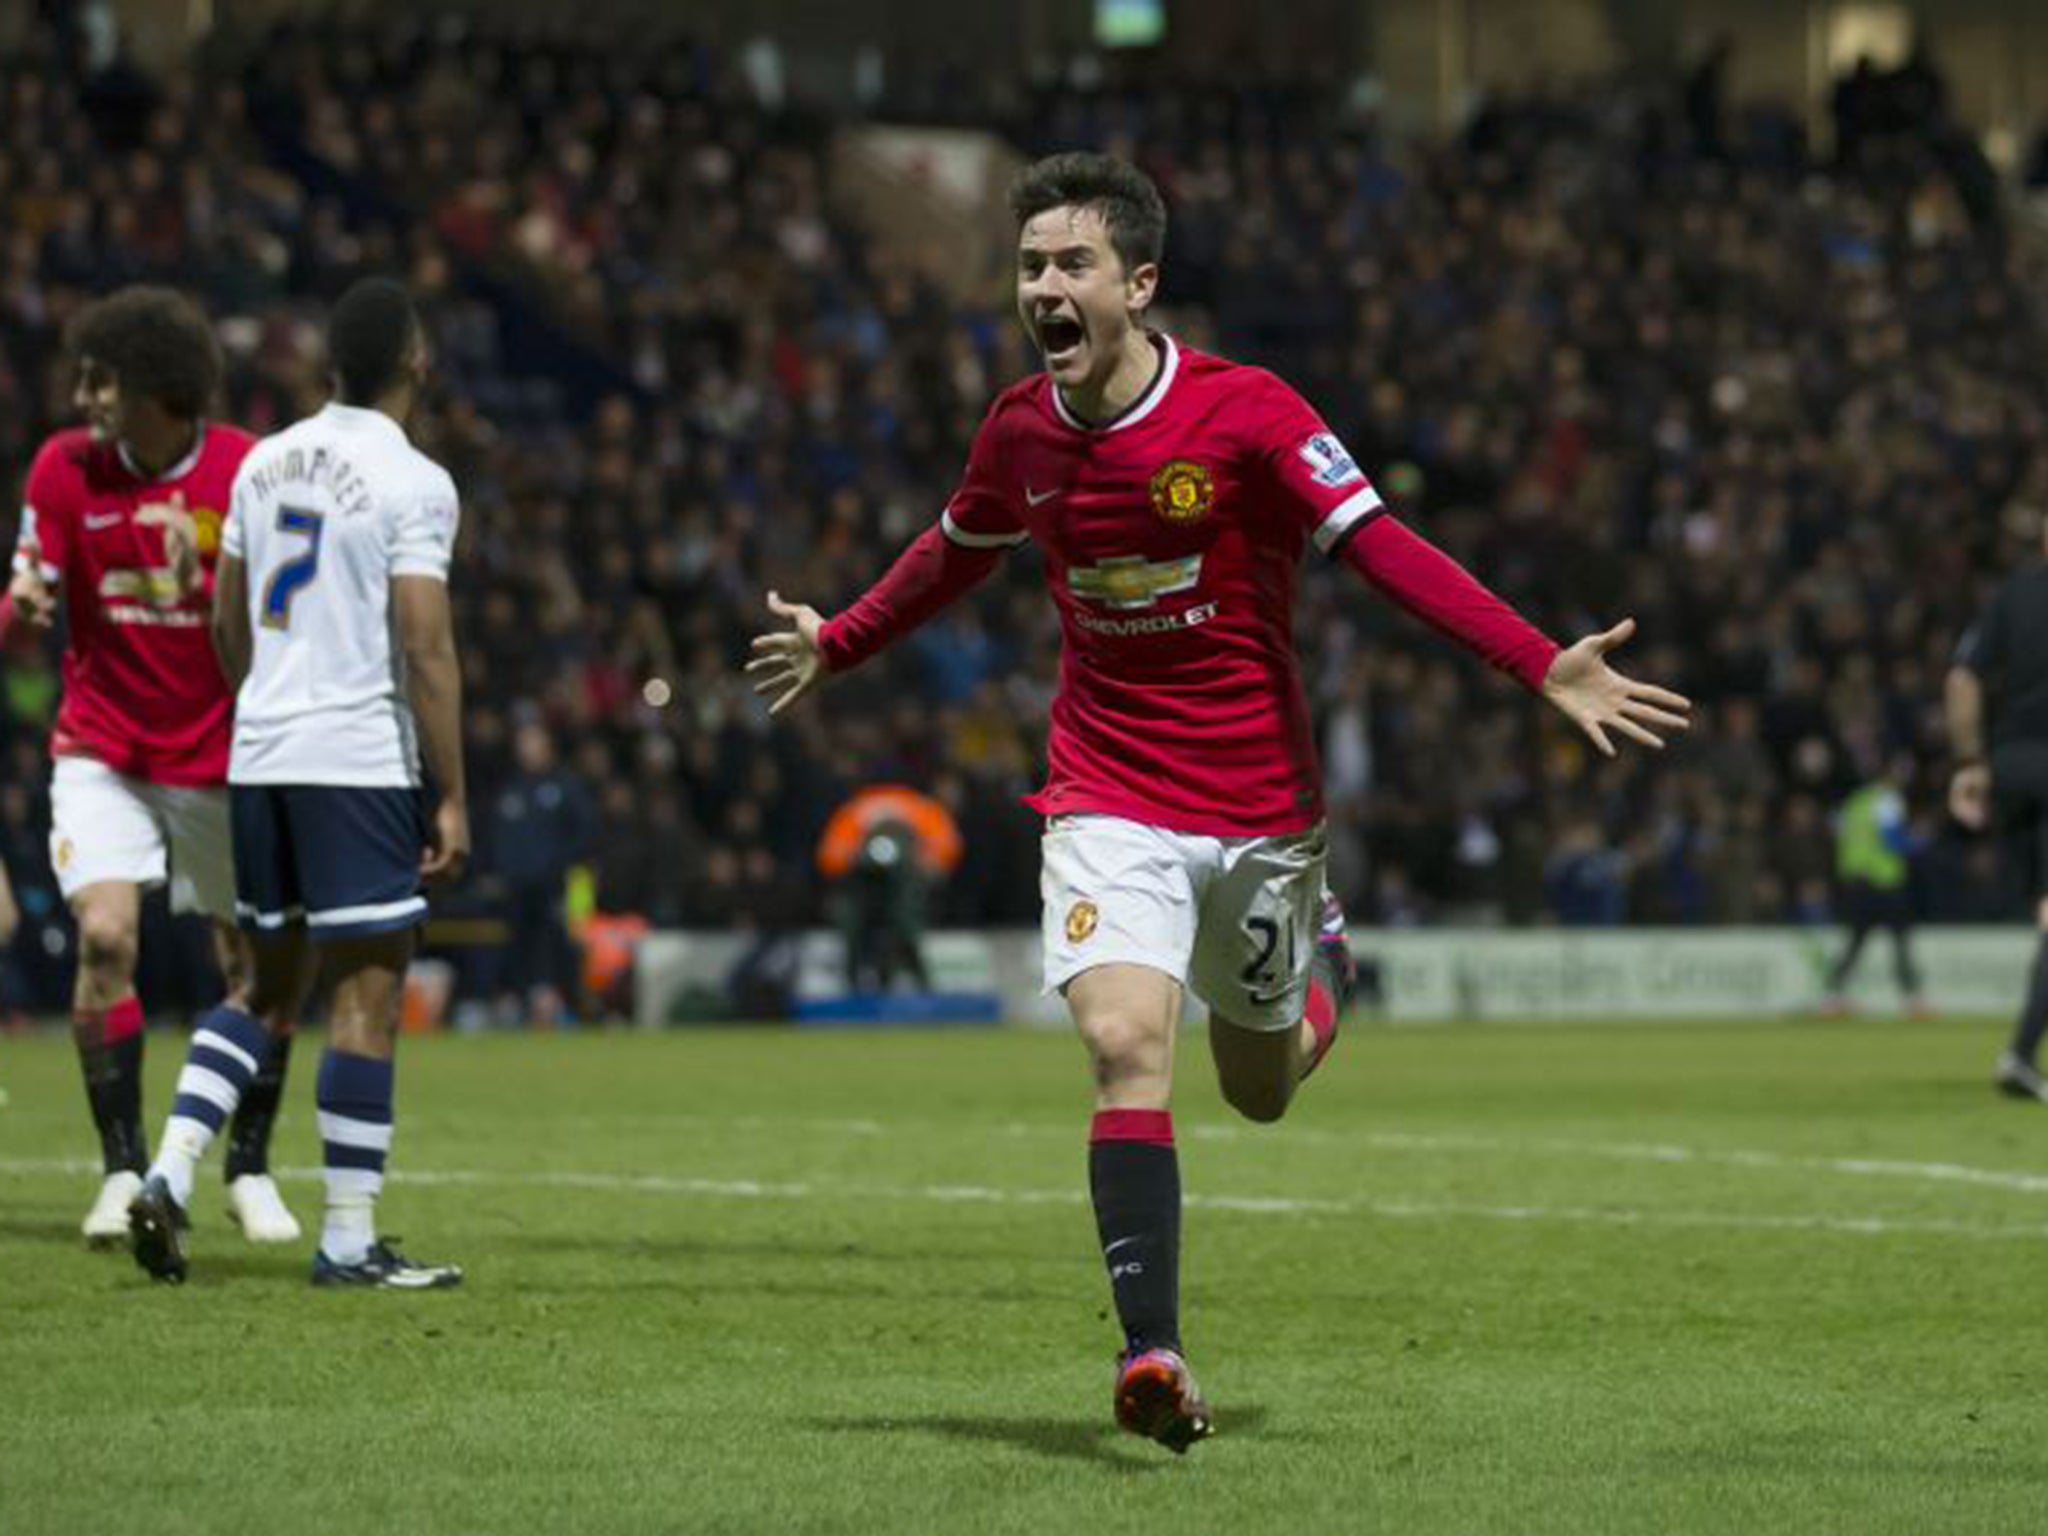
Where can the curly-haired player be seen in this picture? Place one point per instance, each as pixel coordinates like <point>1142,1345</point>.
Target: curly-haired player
<point>121,524</point>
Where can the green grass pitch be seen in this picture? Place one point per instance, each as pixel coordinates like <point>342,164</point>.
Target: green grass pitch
<point>1781,1278</point>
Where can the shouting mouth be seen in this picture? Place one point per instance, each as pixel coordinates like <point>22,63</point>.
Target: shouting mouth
<point>1060,338</point>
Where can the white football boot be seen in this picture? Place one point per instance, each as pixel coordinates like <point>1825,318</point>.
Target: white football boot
<point>258,1209</point>
<point>2019,1079</point>
<point>106,1224</point>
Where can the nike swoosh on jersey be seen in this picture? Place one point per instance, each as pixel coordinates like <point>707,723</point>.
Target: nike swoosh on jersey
<point>1039,498</point>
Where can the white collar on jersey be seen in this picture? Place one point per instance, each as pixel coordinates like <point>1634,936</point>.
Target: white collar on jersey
<point>177,471</point>
<point>1138,409</point>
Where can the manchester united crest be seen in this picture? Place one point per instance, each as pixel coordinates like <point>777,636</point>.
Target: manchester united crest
<point>1182,491</point>
<point>1081,919</point>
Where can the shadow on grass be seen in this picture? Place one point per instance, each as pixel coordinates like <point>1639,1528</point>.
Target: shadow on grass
<point>55,1230</point>
<point>1061,1439</point>
<point>208,1266</point>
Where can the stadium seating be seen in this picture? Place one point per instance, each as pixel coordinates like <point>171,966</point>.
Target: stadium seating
<point>1617,366</point>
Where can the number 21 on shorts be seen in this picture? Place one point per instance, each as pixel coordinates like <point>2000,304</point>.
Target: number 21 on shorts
<point>297,573</point>
<point>1265,982</point>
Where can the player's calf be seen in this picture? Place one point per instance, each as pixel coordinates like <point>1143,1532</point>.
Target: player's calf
<point>1258,1089</point>
<point>227,1053</point>
<point>354,1097</point>
<point>248,1149</point>
<point>109,1043</point>
<point>1333,978</point>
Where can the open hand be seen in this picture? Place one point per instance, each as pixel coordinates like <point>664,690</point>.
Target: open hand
<point>1599,699</point>
<point>788,663</point>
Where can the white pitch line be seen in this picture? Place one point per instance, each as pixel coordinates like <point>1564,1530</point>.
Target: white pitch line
<point>1261,1205</point>
<point>1650,1152</point>
<point>1640,1152</point>
<point>2017,1180</point>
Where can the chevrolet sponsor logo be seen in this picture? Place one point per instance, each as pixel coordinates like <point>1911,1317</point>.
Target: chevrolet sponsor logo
<point>1132,581</point>
<point>1150,624</point>
<point>155,584</point>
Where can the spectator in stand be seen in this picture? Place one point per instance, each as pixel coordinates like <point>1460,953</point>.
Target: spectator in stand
<point>541,827</point>
<point>1716,381</point>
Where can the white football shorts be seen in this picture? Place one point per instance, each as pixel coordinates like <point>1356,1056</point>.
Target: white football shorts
<point>108,826</point>
<point>1233,919</point>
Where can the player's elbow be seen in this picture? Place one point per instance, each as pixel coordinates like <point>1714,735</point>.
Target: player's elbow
<point>427,652</point>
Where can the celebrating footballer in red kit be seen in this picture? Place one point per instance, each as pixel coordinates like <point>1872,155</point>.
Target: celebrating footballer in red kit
<point>121,524</point>
<point>1171,495</point>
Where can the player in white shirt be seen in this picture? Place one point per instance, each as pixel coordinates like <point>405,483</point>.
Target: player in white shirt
<point>331,616</point>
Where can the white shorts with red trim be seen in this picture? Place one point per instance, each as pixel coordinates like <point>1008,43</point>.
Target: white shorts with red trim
<point>1233,919</point>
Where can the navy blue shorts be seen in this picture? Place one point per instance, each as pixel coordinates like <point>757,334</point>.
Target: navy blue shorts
<point>2019,801</point>
<point>344,861</point>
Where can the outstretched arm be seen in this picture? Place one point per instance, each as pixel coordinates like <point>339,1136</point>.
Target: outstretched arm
<point>1443,594</point>
<point>933,572</point>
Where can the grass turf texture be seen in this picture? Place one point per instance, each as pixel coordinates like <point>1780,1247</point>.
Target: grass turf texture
<point>1781,1278</point>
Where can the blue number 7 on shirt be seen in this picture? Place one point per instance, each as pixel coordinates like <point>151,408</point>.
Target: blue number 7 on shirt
<point>295,575</point>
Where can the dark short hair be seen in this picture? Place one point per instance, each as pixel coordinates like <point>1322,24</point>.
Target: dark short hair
<point>1124,195</point>
<point>372,326</point>
<point>157,344</point>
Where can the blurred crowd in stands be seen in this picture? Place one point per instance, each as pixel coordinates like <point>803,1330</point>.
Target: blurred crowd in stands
<point>1624,352</point>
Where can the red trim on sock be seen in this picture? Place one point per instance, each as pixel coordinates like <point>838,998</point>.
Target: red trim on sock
<point>1153,1126</point>
<point>1321,1014</point>
<point>116,1023</point>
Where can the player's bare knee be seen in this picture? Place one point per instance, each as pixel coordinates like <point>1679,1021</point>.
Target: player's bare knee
<point>1121,1044</point>
<point>1130,1062</point>
<point>106,944</point>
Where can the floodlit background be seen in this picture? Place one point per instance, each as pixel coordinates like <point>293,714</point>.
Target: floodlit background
<point>1726,316</point>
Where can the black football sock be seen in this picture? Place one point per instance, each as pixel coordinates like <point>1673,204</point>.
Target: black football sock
<point>110,1055</point>
<point>1134,1175</point>
<point>256,1115</point>
<point>2026,1040</point>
